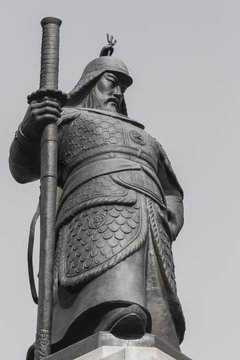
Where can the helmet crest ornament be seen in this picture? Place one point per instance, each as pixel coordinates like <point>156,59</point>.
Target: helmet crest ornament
<point>108,49</point>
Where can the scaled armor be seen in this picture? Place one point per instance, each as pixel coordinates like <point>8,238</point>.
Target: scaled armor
<point>113,213</point>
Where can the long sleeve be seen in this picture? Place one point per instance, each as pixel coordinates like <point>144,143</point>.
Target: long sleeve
<point>173,194</point>
<point>24,159</point>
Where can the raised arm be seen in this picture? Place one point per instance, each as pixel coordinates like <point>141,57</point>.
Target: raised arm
<point>24,159</point>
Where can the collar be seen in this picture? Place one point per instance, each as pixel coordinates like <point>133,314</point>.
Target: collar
<point>68,112</point>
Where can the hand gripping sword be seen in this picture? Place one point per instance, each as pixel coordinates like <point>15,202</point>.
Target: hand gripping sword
<point>48,179</point>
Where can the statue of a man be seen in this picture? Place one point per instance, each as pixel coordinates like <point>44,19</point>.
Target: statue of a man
<point>119,212</point>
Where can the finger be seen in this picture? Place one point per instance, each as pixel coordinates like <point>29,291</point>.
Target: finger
<point>52,100</point>
<point>46,119</point>
<point>45,103</point>
<point>46,111</point>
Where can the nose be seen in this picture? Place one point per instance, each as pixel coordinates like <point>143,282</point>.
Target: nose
<point>118,92</point>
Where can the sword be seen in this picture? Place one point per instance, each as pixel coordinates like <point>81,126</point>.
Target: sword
<point>48,180</point>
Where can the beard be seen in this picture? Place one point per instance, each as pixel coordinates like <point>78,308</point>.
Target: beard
<point>96,100</point>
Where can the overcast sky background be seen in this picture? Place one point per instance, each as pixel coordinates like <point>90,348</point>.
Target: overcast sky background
<point>184,57</point>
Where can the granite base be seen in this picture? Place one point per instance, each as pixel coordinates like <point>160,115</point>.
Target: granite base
<point>105,346</point>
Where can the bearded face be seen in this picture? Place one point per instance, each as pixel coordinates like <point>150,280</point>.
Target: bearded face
<point>107,94</point>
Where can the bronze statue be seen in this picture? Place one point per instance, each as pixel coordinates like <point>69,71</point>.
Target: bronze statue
<point>118,214</point>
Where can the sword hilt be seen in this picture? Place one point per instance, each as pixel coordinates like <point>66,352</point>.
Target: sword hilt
<point>50,53</point>
<point>49,62</point>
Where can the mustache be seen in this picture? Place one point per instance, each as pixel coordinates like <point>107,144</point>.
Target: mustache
<point>113,99</point>
<point>115,102</point>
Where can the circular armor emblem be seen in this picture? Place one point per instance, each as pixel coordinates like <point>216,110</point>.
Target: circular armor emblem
<point>97,221</point>
<point>137,137</point>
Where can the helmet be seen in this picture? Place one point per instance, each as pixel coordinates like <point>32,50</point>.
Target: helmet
<point>93,72</point>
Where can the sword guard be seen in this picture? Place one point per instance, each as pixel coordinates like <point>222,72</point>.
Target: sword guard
<point>50,93</point>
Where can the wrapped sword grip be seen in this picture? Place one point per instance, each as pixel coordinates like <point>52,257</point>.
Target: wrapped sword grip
<point>49,62</point>
<point>50,53</point>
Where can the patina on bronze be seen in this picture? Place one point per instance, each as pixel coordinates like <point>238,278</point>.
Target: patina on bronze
<point>119,212</point>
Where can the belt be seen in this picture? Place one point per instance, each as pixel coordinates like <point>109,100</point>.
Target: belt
<point>85,172</point>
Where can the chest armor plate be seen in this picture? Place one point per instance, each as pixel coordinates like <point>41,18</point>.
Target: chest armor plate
<point>88,134</point>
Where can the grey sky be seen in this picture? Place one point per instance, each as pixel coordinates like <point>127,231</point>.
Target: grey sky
<point>184,57</point>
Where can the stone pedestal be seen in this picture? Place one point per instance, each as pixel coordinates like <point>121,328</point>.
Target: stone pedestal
<point>128,353</point>
<point>105,346</point>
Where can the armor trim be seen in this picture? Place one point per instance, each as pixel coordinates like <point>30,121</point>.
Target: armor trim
<point>69,112</point>
<point>94,169</point>
<point>139,188</point>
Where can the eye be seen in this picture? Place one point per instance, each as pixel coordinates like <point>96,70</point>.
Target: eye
<point>112,80</point>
